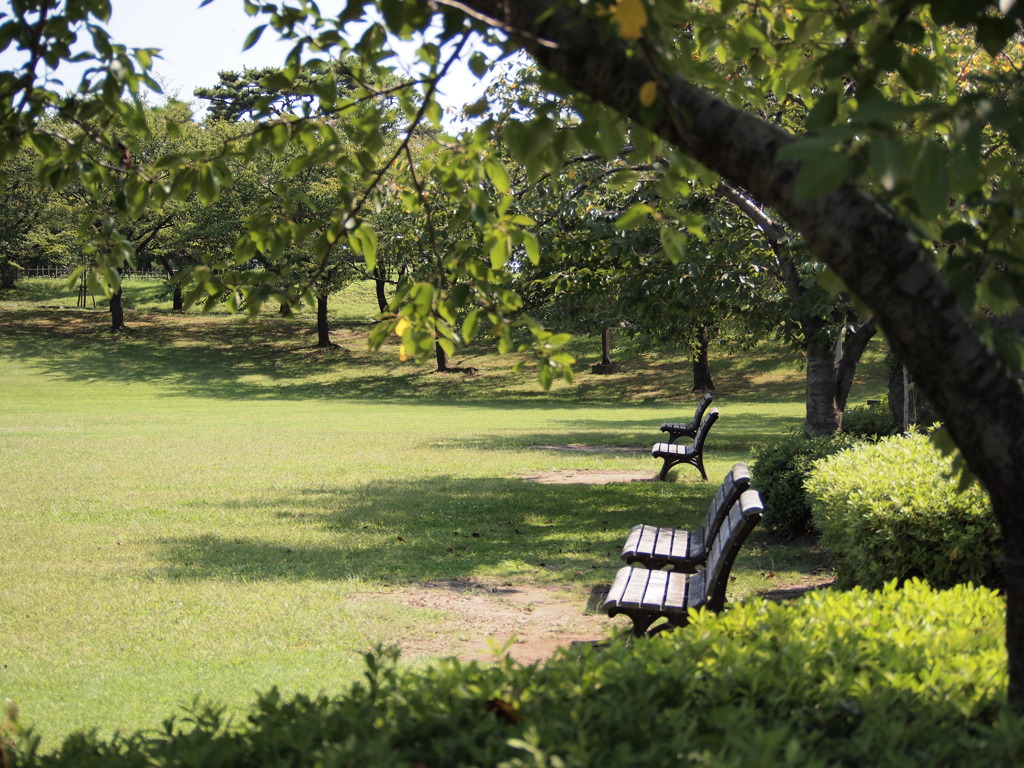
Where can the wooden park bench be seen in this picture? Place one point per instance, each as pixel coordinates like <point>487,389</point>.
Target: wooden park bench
<point>677,429</point>
<point>657,547</point>
<point>647,595</point>
<point>676,453</point>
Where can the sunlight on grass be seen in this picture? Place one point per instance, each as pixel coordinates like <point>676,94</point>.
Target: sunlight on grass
<point>207,506</point>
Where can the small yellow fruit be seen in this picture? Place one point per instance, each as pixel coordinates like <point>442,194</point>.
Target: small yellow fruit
<point>632,18</point>
<point>648,93</point>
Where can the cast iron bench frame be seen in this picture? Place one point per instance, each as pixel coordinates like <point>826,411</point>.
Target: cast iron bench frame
<point>646,596</point>
<point>674,453</point>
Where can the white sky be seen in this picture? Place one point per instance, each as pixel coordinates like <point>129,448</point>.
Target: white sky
<point>197,43</point>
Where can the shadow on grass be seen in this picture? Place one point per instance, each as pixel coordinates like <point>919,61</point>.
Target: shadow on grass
<point>440,528</point>
<point>231,357</point>
<point>405,531</point>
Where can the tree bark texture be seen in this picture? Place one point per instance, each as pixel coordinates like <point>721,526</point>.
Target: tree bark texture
<point>867,246</point>
<point>823,414</point>
<point>379,284</point>
<point>853,350</point>
<point>116,311</point>
<point>323,326</point>
<point>442,358</point>
<point>701,365</point>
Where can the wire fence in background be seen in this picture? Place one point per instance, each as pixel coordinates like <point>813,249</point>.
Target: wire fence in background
<point>65,272</point>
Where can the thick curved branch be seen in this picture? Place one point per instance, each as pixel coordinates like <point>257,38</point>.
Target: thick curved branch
<point>870,248</point>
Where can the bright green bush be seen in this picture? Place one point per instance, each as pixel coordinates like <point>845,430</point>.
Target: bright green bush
<point>901,677</point>
<point>779,471</point>
<point>890,510</point>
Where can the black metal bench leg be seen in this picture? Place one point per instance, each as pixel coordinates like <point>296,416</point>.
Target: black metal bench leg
<point>699,464</point>
<point>669,463</point>
<point>641,623</point>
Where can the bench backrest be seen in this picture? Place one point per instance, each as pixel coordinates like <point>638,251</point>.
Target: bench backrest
<point>744,515</point>
<point>737,480</point>
<point>703,429</point>
<point>702,406</point>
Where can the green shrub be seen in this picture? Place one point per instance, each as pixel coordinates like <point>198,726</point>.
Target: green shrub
<point>779,471</point>
<point>890,510</point>
<point>901,677</point>
<point>869,422</point>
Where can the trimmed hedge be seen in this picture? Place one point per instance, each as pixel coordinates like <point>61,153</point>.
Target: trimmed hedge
<point>891,510</point>
<point>778,472</point>
<point>901,677</point>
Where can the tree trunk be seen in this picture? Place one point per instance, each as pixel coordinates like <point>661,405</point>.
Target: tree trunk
<point>8,277</point>
<point>853,350</point>
<point>823,414</point>
<point>606,346</point>
<point>116,311</point>
<point>323,327</point>
<point>380,283</point>
<point>177,299</point>
<point>908,407</point>
<point>442,358</point>
<point>701,367</point>
<point>870,249</point>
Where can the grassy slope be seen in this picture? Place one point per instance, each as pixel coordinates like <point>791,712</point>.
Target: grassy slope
<point>206,506</point>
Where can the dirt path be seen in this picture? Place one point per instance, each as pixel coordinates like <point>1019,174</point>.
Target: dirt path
<point>533,621</point>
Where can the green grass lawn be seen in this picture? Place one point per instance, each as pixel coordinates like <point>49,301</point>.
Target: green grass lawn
<point>206,506</point>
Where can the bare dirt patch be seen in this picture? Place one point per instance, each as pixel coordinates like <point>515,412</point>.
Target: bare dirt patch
<point>582,476</point>
<point>529,621</point>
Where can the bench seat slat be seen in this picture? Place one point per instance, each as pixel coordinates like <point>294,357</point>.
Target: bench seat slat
<point>648,539</point>
<point>665,542</point>
<point>654,592</point>
<point>635,588</point>
<point>676,593</point>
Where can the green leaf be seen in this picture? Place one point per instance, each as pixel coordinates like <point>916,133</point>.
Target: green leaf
<point>498,175</point>
<point>634,216</point>
<point>478,64</point>
<point>824,174</point>
<point>477,108</point>
<point>993,32</point>
<point>931,181</point>
<point>253,37</point>
<point>673,242</point>
<point>498,251</point>
<point>532,246</point>
<point>207,185</point>
<point>45,145</point>
<point>1010,346</point>
<point>824,112</point>
<point>889,161</point>
<point>469,325</point>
